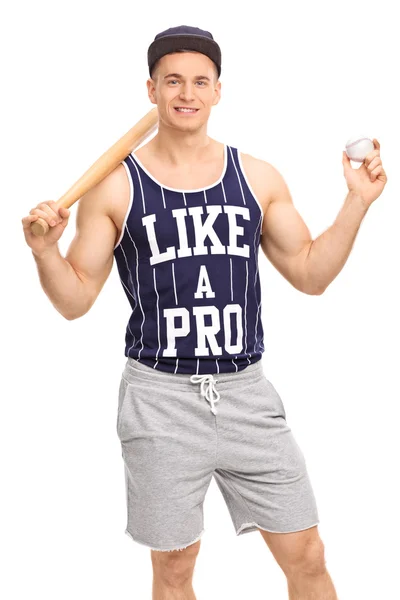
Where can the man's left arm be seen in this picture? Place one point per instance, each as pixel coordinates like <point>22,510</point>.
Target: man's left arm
<point>311,265</point>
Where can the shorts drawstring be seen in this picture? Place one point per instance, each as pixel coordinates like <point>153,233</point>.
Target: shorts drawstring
<point>208,393</point>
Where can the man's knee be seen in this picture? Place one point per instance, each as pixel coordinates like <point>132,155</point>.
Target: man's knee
<point>310,561</point>
<point>175,567</point>
<point>297,551</point>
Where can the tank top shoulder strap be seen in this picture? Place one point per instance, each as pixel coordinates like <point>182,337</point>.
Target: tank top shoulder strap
<point>235,160</point>
<point>133,166</point>
<point>239,173</point>
<point>235,168</point>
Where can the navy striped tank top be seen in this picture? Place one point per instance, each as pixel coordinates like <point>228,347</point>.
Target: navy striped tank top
<point>188,263</point>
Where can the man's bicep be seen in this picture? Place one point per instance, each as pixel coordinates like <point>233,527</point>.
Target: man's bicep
<point>286,238</point>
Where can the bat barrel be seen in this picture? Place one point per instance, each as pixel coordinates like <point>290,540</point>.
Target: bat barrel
<point>103,166</point>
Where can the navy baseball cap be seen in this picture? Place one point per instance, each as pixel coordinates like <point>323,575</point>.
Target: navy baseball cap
<point>184,37</point>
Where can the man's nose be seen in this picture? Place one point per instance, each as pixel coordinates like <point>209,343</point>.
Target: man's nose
<point>187,91</point>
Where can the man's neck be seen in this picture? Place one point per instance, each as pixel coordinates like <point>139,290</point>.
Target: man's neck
<point>180,148</point>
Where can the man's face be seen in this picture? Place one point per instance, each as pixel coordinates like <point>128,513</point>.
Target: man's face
<point>184,79</point>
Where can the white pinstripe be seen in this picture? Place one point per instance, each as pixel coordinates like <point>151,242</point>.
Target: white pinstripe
<point>173,278</point>
<point>158,318</point>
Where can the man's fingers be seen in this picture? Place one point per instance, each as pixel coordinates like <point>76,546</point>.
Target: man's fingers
<point>53,213</point>
<point>43,208</point>
<point>51,219</point>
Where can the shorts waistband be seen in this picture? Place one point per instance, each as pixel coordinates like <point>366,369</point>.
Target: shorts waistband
<point>210,383</point>
<point>136,371</point>
<point>135,368</point>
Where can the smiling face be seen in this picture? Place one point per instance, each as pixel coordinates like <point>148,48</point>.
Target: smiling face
<point>186,80</point>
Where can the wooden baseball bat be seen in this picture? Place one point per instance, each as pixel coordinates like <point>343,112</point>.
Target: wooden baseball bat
<point>104,165</point>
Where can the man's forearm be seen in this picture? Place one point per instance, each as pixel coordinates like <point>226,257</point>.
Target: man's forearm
<point>60,282</point>
<point>329,252</point>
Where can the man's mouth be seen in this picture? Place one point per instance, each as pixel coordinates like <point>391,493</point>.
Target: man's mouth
<point>183,109</point>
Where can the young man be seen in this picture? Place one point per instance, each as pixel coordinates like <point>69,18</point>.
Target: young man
<point>184,217</point>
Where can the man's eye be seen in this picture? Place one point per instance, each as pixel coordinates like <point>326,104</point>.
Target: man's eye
<point>175,81</point>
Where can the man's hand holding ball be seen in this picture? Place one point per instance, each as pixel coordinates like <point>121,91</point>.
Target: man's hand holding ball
<point>369,180</point>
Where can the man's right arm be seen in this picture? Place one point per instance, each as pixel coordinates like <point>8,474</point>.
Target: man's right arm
<point>73,283</point>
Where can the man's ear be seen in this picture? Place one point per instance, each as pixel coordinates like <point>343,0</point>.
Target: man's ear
<point>151,90</point>
<point>217,93</point>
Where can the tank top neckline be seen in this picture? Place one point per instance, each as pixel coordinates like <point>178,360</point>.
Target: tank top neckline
<point>166,187</point>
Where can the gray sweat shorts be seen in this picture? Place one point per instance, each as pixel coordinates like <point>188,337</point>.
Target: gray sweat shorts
<point>177,431</point>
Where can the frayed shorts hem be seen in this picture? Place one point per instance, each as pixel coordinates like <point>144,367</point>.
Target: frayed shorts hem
<point>248,527</point>
<point>177,547</point>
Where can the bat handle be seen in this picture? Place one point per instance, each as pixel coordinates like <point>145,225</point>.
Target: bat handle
<point>39,227</point>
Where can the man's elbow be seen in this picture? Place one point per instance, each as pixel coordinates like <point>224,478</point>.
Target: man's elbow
<point>311,290</point>
<point>74,316</point>
<point>301,278</point>
<point>315,291</point>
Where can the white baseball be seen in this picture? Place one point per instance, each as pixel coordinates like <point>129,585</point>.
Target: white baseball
<point>358,147</point>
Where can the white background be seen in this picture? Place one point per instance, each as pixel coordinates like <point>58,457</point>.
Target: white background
<point>298,80</point>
